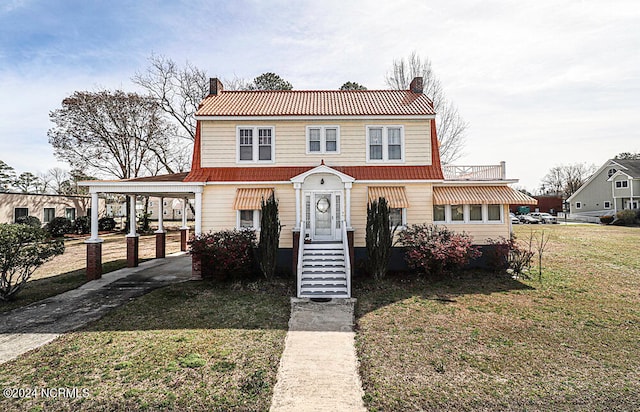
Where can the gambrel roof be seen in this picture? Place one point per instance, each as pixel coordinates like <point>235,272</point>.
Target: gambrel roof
<point>316,103</point>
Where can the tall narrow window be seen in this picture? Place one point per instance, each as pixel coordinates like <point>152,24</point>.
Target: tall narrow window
<point>70,213</point>
<point>49,214</point>
<point>246,144</point>
<point>264,144</point>
<point>314,139</point>
<point>475,213</point>
<point>375,144</point>
<point>395,143</point>
<point>331,140</point>
<point>457,213</point>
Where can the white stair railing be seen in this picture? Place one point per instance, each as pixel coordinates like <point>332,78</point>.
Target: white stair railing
<point>303,231</point>
<point>347,258</point>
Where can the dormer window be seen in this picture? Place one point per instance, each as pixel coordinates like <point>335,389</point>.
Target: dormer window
<point>385,144</point>
<point>323,139</point>
<point>255,144</point>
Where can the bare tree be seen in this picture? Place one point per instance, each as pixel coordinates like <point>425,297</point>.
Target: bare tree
<point>450,126</point>
<point>179,90</point>
<point>565,180</point>
<point>109,133</point>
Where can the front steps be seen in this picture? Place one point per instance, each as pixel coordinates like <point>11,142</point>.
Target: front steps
<point>324,272</point>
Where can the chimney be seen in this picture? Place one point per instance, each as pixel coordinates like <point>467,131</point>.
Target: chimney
<point>215,86</point>
<point>416,85</point>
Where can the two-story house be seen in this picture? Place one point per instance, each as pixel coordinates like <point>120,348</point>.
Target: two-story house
<point>324,155</point>
<point>613,187</point>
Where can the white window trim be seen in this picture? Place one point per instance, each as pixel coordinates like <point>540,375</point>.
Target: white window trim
<point>622,184</point>
<point>323,139</point>
<point>256,144</point>
<point>385,144</point>
<point>607,204</point>
<point>256,221</point>
<point>466,213</point>
<point>578,205</point>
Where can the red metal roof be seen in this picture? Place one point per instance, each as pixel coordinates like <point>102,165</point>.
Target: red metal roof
<point>316,103</point>
<point>284,173</point>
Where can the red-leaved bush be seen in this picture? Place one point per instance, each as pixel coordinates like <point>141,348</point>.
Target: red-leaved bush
<point>225,254</point>
<point>436,249</point>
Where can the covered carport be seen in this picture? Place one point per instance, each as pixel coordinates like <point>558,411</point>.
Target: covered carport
<point>165,186</point>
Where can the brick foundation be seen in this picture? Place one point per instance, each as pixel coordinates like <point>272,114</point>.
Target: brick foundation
<point>132,251</point>
<point>94,261</point>
<point>161,245</point>
<point>184,237</point>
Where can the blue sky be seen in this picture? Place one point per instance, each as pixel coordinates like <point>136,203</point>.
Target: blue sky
<point>540,82</point>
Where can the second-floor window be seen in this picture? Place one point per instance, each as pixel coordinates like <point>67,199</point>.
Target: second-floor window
<point>621,184</point>
<point>385,144</point>
<point>255,144</point>
<point>323,139</point>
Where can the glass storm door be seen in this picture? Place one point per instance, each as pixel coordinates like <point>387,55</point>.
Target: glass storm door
<point>323,208</point>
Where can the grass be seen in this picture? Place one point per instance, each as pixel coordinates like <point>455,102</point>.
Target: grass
<point>192,346</point>
<point>67,271</point>
<point>485,342</point>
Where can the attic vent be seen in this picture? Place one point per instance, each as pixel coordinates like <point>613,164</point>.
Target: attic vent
<point>611,172</point>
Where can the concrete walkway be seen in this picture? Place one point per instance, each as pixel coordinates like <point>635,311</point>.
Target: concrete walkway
<point>319,369</point>
<point>32,326</point>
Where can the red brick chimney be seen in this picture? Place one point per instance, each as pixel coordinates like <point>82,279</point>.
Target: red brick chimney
<point>215,86</point>
<point>416,85</point>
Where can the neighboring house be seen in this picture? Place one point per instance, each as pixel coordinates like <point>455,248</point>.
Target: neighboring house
<point>43,206</point>
<point>172,209</point>
<point>546,203</point>
<point>613,187</point>
<point>325,154</point>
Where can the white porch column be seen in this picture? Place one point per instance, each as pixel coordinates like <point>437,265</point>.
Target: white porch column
<point>184,213</point>
<point>297,186</point>
<point>347,187</point>
<point>161,216</point>
<point>94,217</point>
<point>198,223</point>
<point>133,218</point>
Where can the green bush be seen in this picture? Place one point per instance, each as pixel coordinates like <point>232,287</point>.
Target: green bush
<point>379,238</point>
<point>106,223</point>
<point>29,220</point>
<point>269,237</point>
<point>607,219</point>
<point>227,254</point>
<point>82,225</point>
<point>23,249</point>
<point>59,227</point>
<point>626,217</point>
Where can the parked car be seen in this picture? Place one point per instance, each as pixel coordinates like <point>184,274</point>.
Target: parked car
<point>528,219</point>
<point>514,219</point>
<point>544,217</point>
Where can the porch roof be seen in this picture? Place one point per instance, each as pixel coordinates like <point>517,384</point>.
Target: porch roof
<point>453,195</point>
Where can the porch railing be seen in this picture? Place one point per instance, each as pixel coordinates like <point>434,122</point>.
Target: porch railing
<point>347,258</point>
<point>488,172</point>
<point>303,230</point>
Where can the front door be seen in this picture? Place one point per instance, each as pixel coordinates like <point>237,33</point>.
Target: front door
<point>325,210</point>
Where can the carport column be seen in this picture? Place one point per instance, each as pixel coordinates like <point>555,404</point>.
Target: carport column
<point>161,235</point>
<point>198,228</point>
<point>184,230</point>
<point>133,238</point>
<point>94,243</point>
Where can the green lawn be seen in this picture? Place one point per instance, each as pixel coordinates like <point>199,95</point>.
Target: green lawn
<point>481,342</point>
<point>190,346</point>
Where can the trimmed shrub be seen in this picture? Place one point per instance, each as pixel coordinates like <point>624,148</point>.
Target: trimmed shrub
<point>23,249</point>
<point>626,217</point>
<point>82,225</point>
<point>29,220</point>
<point>227,254</point>
<point>269,237</point>
<point>59,227</point>
<point>436,250</point>
<point>379,238</point>
<point>106,223</point>
<point>607,219</point>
